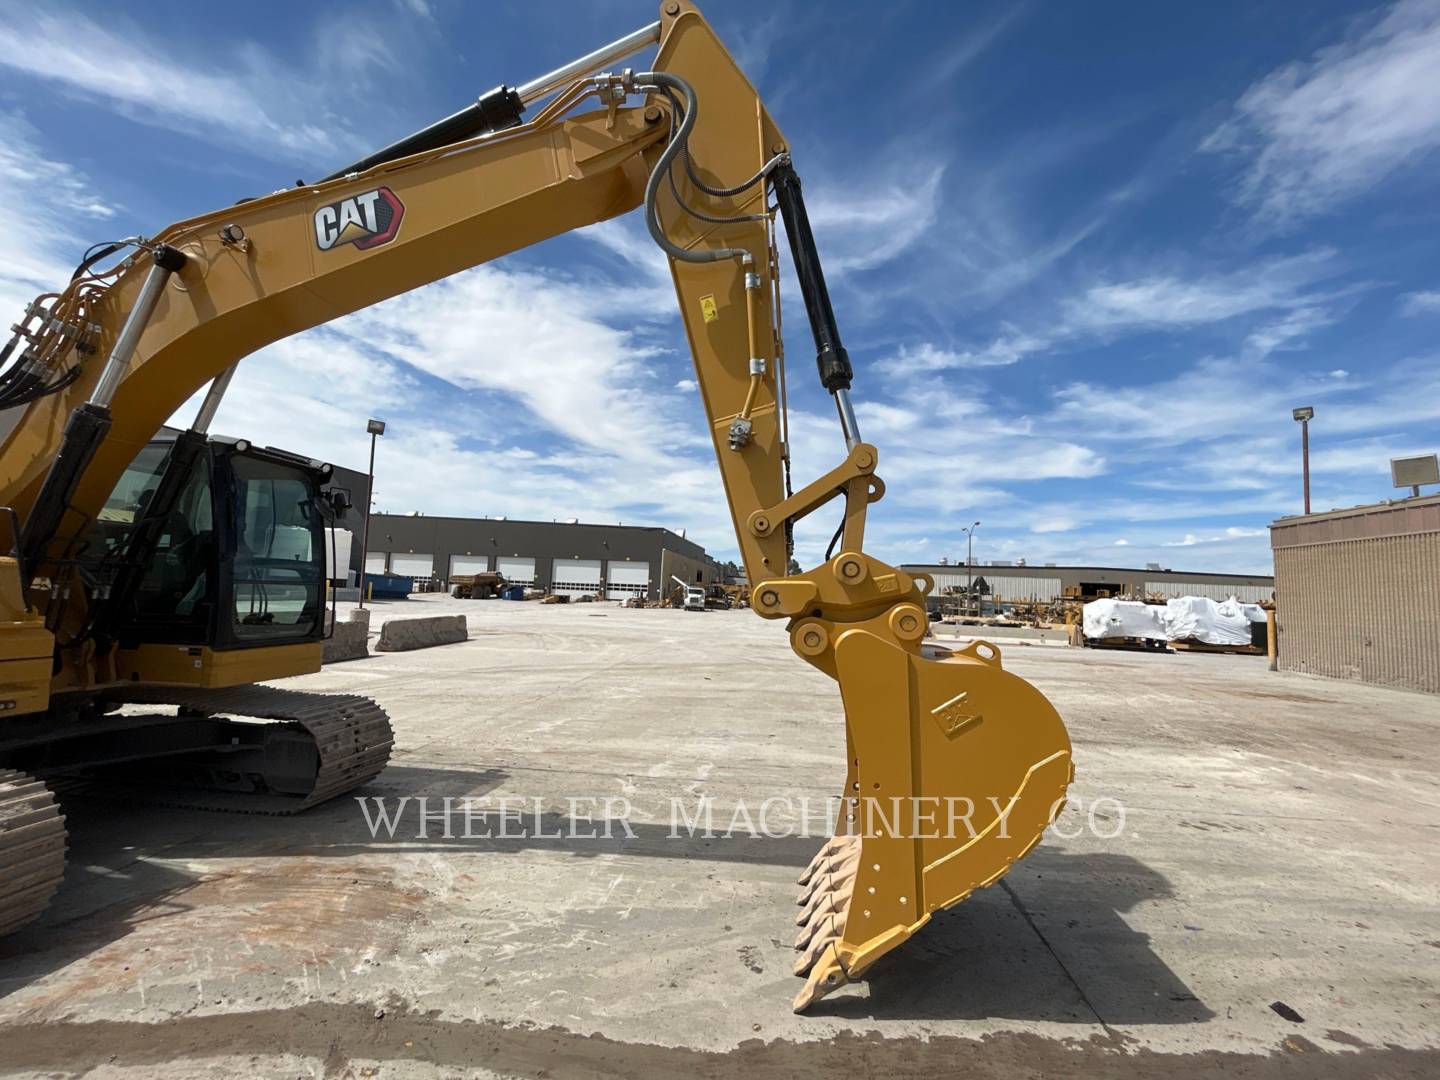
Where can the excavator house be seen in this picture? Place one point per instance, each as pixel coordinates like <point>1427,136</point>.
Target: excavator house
<point>154,583</point>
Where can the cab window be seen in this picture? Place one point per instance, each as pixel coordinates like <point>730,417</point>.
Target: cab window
<point>277,568</point>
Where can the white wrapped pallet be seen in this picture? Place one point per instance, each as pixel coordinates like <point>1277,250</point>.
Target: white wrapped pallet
<point>1198,618</point>
<point>1102,619</point>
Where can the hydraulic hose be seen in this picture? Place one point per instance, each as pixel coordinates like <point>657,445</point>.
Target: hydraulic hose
<point>664,79</point>
<point>725,193</point>
<point>720,192</point>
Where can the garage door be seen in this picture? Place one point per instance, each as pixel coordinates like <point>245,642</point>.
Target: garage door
<point>408,564</point>
<point>575,577</point>
<point>515,568</point>
<point>626,579</point>
<point>469,564</point>
<point>374,562</point>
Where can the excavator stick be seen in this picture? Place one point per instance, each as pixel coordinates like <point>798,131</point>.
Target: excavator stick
<point>956,767</point>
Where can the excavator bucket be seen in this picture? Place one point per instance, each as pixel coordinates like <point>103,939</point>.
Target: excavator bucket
<point>956,767</point>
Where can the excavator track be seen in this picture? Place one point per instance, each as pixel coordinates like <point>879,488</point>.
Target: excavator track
<point>351,736</point>
<point>32,849</point>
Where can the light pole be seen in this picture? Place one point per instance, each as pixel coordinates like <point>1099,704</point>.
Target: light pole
<point>376,428</point>
<point>969,572</point>
<point>1305,414</point>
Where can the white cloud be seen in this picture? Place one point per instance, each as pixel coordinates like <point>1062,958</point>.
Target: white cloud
<point>1236,399</point>
<point>544,339</point>
<point>1177,302</point>
<point>1284,286</point>
<point>1275,456</point>
<point>1321,131</point>
<point>1421,303</point>
<point>242,97</point>
<point>926,358</point>
<point>961,51</point>
<point>47,202</point>
<point>868,221</point>
<point>1054,525</point>
<point>877,416</point>
<point>1122,543</point>
<point>1234,532</point>
<point>1288,331</point>
<point>627,238</point>
<point>912,461</point>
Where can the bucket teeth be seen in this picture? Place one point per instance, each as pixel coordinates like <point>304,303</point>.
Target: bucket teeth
<point>821,942</point>
<point>808,931</point>
<point>821,904</point>
<point>818,861</point>
<point>831,847</point>
<point>816,882</point>
<point>833,872</point>
<point>822,922</point>
<point>827,974</point>
<point>830,882</point>
<point>833,888</point>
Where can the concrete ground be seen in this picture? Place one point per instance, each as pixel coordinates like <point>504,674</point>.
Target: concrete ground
<point>1269,907</point>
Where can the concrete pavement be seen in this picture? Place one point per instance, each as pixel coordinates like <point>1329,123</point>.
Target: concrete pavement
<point>1262,847</point>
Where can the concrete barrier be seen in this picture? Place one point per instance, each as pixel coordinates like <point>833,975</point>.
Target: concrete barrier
<point>398,635</point>
<point>348,641</point>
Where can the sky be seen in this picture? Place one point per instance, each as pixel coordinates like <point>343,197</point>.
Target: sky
<point>1085,258</point>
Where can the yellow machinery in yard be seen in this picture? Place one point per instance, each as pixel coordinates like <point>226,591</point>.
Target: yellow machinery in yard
<point>179,573</point>
<point>476,586</point>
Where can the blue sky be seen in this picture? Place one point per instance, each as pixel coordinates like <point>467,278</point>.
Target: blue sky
<point>1086,258</point>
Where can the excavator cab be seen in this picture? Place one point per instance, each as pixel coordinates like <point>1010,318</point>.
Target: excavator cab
<point>215,543</point>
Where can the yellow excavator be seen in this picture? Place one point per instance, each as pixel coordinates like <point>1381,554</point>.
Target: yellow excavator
<point>154,582</point>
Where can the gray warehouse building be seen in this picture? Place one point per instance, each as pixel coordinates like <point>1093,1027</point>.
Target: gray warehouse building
<point>1358,593</point>
<point>568,558</point>
<point>1007,582</point>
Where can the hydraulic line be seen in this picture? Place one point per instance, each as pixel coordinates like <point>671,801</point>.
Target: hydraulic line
<point>721,192</point>
<point>677,110</point>
<point>725,193</point>
<point>701,214</point>
<point>661,80</point>
<point>778,336</point>
<point>752,328</point>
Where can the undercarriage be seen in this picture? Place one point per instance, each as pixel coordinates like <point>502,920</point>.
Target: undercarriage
<point>250,749</point>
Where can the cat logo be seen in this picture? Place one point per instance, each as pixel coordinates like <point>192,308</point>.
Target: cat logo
<point>366,220</point>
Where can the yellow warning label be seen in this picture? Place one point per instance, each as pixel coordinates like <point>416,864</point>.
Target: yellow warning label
<point>708,308</point>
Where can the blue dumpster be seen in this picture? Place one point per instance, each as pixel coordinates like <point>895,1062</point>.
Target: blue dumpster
<point>387,586</point>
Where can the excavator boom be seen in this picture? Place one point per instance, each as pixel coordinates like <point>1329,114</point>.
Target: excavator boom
<point>954,767</point>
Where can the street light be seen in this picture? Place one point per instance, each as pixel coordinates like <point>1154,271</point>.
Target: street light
<point>375,428</point>
<point>1304,415</point>
<point>969,573</point>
